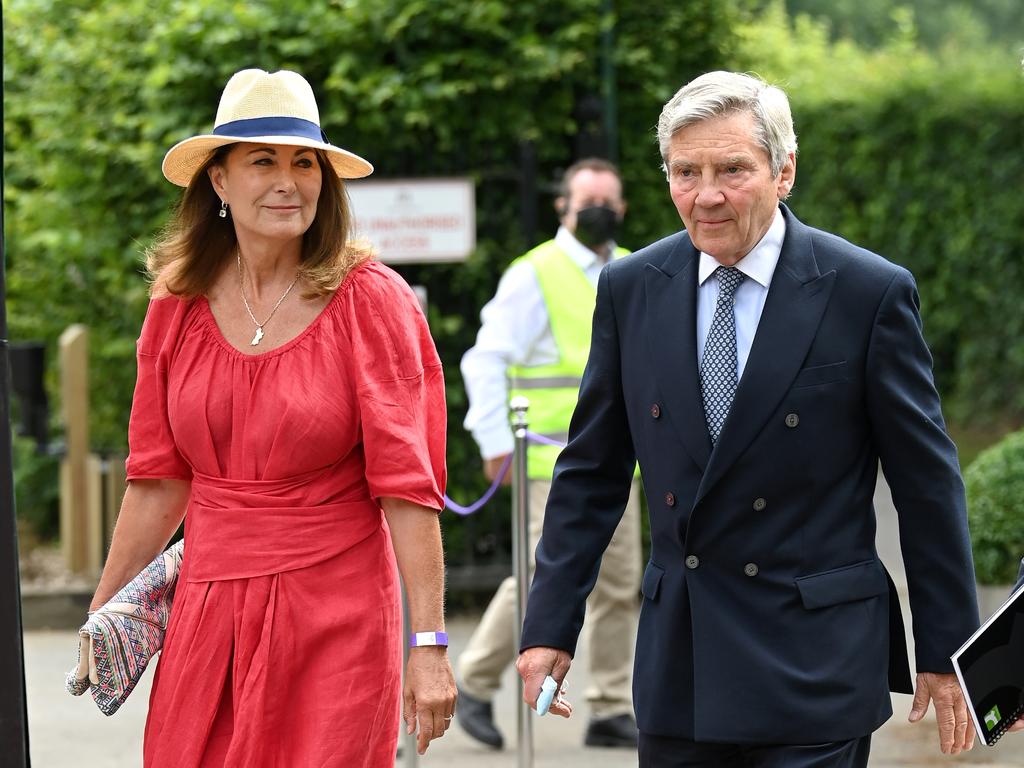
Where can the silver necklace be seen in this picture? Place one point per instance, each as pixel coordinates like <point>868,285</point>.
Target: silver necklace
<point>258,337</point>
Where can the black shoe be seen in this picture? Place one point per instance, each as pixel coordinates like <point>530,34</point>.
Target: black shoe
<point>477,719</point>
<point>617,731</point>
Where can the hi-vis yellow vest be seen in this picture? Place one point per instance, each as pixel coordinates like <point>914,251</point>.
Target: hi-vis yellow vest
<point>553,389</point>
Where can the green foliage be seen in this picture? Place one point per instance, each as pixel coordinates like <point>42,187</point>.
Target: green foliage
<point>96,92</point>
<point>995,495</point>
<point>918,156</point>
<point>36,487</point>
<point>940,23</point>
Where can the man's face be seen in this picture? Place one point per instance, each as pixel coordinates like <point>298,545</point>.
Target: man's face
<point>589,188</point>
<point>721,183</point>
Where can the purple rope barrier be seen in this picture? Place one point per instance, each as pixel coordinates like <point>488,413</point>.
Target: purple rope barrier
<point>533,437</point>
<point>476,505</point>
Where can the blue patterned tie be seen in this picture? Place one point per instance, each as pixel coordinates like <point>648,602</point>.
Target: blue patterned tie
<point>719,365</point>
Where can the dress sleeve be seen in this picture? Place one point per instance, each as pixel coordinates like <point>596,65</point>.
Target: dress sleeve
<point>399,387</point>
<point>152,453</point>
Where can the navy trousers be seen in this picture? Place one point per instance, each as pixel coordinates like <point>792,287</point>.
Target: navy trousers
<point>667,752</point>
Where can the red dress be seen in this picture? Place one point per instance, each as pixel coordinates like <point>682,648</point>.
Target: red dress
<point>284,643</point>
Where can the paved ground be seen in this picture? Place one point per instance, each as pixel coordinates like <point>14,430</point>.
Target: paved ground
<point>64,729</point>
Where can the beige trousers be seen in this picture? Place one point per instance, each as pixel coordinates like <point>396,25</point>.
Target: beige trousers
<point>609,630</point>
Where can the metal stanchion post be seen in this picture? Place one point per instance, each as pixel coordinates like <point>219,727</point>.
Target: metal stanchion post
<point>521,561</point>
<point>410,759</point>
<point>13,709</point>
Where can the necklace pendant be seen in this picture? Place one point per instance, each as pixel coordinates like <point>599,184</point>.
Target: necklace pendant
<point>258,337</point>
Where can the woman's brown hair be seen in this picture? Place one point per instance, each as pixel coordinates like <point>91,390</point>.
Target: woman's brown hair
<point>196,242</point>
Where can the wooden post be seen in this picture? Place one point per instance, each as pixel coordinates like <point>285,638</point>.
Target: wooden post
<point>95,544</point>
<point>78,540</point>
<point>116,481</point>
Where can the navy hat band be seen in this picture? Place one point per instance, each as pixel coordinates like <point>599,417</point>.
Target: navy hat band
<point>272,126</point>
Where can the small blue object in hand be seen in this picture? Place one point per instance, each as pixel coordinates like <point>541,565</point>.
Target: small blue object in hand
<point>547,695</point>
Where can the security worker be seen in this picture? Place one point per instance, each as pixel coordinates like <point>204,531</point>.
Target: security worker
<point>534,341</point>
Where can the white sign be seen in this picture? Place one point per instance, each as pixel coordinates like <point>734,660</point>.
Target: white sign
<point>416,220</point>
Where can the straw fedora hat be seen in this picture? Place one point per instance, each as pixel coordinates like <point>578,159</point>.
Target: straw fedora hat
<point>263,108</point>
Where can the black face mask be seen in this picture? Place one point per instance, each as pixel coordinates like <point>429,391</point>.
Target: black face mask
<point>596,225</point>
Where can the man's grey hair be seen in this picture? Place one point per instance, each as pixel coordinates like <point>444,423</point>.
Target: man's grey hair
<point>719,93</point>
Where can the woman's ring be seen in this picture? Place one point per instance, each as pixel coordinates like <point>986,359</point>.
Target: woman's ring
<point>449,717</point>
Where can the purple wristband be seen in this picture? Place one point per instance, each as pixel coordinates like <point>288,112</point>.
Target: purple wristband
<point>428,638</point>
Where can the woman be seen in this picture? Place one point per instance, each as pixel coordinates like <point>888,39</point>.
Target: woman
<point>288,392</point>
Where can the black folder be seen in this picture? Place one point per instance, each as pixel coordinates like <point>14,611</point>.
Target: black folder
<point>990,666</point>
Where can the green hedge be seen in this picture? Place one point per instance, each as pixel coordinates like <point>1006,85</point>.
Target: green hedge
<point>929,175</point>
<point>96,92</point>
<point>995,495</point>
<point>916,155</point>
<point>939,22</point>
<point>919,157</point>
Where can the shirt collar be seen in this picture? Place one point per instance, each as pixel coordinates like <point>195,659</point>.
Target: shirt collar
<point>759,265</point>
<point>578,252</point>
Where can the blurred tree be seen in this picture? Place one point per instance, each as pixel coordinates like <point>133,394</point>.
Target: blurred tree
<point>914,153</point>
<point>917,155</point>
<point>939,22</point>
<point>96,92</point>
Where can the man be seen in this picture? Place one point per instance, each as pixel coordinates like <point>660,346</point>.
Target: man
<point>759,369</point>
<point>536,334</point>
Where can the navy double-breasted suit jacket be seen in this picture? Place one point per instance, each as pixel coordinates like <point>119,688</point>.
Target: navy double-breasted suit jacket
<point>767,616</point>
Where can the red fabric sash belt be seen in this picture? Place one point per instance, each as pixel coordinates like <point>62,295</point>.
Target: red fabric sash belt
<point>238,529</point>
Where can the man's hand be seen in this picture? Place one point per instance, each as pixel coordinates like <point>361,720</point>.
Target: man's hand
<point>956,730</point>
<point>1018,726</point>
<point>533,665</point>
<point>493,466</point>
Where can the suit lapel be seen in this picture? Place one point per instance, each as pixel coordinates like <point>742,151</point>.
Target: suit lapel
<point>672,339</point>
<point>792,312</point>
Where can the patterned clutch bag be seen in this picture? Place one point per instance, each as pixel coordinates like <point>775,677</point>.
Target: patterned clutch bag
<point>119,639</point>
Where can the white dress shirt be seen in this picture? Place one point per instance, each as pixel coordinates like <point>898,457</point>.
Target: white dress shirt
<point>758,266</point>
<point>514,330</point>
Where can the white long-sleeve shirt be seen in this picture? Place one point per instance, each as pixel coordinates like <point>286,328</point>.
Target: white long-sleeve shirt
<point>514,330</point>
<point>758,266</point>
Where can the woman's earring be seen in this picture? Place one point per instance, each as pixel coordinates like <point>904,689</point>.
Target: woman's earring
<point>223,210</point>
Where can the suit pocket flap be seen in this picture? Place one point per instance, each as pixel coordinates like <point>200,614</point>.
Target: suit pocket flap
<point>820,374</point>
<point>652,581</point>
<point>843,585</point>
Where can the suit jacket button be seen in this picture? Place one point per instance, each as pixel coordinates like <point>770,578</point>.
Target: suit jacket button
<point>750,569</point>
<point>792,420</point>
<point>692,562</point>
<point>670,499</point>
<point>656,411</point>
<point>759,505</point>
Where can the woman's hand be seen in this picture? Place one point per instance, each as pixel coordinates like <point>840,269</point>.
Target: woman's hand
<point>429,696</point>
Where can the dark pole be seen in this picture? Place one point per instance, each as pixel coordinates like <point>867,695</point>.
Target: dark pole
<point>528,191</point>
<point>13,711</point>
<point>608,88</point>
